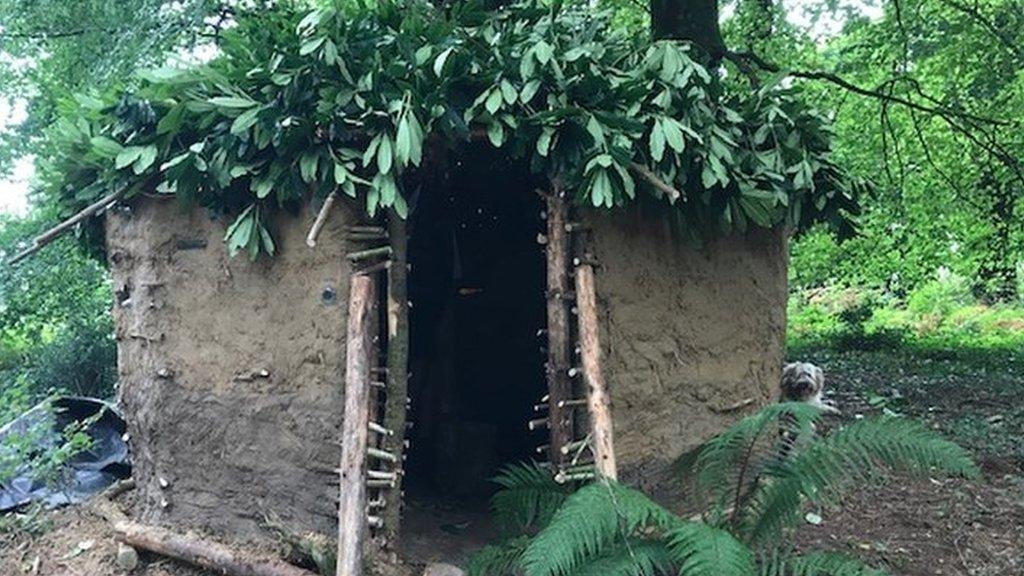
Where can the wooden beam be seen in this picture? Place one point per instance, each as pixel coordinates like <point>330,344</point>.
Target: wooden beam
<point>55,232</point>
<point>352,525</point>
<point>598,401</point>
<point>395,409</point>
<point>560,421</point>
<point>212,556</point>
<point>321,218</point>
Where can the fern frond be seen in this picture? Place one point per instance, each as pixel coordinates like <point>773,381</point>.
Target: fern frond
<point>501,559</point>
<point>633,557</point>
<point>529,497</point>
<point>588,523</point>
<point>702,550</point>
<point>736,455</point>
<point>818,564</point>
<point>863,448</point>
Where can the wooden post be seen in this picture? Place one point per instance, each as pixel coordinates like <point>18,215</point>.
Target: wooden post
<point>598,402</point>
<point>559,345</point>
<point>398,367</point>
<point>355,430</point>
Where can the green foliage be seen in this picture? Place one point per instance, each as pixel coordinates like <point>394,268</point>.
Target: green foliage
<point>758,479</point>
<point>938,317</point>
<point>347,100</point>
<point>56,332</point>
<point>529,496</point>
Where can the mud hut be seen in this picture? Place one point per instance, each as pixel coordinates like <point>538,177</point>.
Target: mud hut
<point>493,294</point>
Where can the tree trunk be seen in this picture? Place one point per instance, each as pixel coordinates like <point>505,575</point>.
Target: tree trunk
<point>693,20</point>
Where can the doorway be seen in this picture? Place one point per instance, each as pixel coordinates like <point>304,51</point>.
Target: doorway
<point>477,286</point>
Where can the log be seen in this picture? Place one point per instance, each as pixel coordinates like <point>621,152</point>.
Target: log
<point>560,421</point>
<point>352,527</point>
<point>396,407</point>
<point>55,232</point>
<point>598,402</point>
<point>209,555</point>
<point>321,218</point>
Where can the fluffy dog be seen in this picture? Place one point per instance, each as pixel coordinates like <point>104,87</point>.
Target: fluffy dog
<point>805,382</point>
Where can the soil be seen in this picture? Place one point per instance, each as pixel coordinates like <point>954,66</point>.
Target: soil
<point>937,527</point>
<point>79,542</point>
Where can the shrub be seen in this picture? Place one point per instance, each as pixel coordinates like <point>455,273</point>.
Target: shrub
<point>939,297</point>
<point>754,487</point>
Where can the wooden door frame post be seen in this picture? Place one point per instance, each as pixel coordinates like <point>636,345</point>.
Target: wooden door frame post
<point>560,420</point>
<point>352,526</point>
<point>598,402</point>
<point>398,367</point>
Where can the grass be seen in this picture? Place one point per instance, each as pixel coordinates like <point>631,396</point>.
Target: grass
<point>935,355</point>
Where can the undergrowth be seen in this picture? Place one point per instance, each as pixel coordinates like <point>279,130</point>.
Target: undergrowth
<point>752,483</point>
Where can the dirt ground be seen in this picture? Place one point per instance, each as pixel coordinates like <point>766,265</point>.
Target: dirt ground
<point>932,527</point>
<point>935,527</point>
<point>76,541</point>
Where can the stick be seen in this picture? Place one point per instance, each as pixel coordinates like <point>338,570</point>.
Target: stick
<point>355,430</point>
<point>367,254</point>
<point>653,180</point>
<point>321,217</point>
<point>597,393</point>
<point>215,557</point>
<point>52,234</point>
<point>560,421</point>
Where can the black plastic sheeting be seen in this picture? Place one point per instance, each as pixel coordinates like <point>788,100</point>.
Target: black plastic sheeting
<point>86,473</point>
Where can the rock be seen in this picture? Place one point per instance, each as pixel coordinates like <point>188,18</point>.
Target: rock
<point>441,569</point>
<point>127,558</point>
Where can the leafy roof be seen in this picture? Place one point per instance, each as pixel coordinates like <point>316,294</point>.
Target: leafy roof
<point>302,103</point>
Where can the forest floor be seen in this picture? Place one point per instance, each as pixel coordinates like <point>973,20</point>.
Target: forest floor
<point>935,526</point>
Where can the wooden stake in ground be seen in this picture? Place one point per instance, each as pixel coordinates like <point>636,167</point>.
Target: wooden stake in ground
<point>398,366</point>
<point>598,402</point>
<point>212,556</point>
<point>355,430</point>
<point>559,346</point>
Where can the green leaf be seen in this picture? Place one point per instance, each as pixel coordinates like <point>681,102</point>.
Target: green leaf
<point>529,91</point>
<point>440,61</point>
<point>145,160</point>
<point>496,134</point>
<point>232,102</point>
<point>544,141</point>
<point>508,92</point>
<point>385,156</point>
<point>544,52</point>
<point>657,142</point>
<point>106,147</point>
<point>673,134</point>
<point>702,550</point>
<point>127,156</point>
<point>244,121</point>
<point>310,46</point>
<point>307,166</point>
<point>493,102</point>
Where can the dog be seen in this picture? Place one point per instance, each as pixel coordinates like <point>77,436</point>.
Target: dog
<point>805,382</point>
<point>801,382</point>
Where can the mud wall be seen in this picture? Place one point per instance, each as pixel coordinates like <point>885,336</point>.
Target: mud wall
<point>231,371</point>
<point>693,337</point>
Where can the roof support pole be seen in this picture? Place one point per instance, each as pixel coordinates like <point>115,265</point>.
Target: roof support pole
<point>397,367</point>
<point>560,419</point>
<point>352,525</point>
<point>598,402</point>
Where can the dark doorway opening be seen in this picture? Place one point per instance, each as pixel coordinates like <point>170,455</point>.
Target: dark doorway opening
<point>477,286</point>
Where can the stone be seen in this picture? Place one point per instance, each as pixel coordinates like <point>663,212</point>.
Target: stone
<point>127,558</point>
<point>442,569</point>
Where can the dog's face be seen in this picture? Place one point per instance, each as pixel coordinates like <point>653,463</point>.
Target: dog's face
<point>802,381</point>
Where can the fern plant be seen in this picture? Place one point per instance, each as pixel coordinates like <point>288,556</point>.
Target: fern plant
<point>753,481</point>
